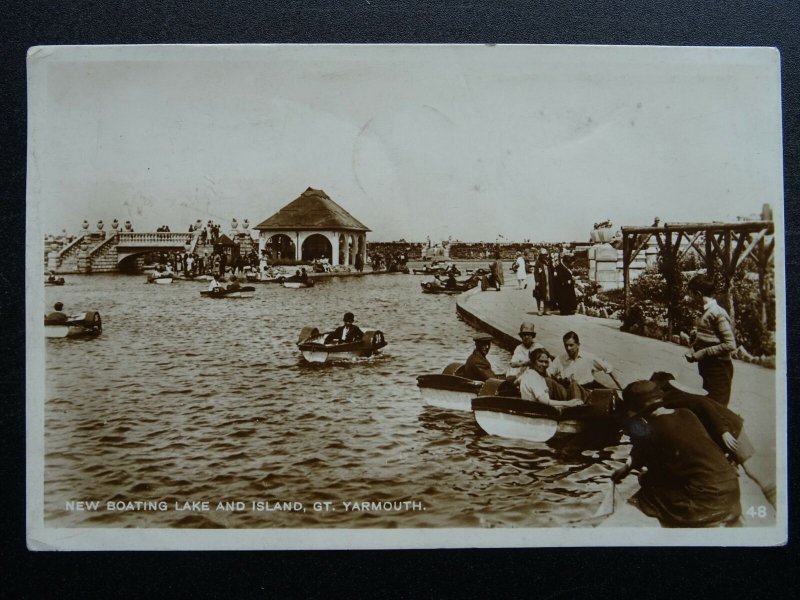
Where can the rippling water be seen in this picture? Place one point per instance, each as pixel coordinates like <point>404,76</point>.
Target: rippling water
<point>188,399</point>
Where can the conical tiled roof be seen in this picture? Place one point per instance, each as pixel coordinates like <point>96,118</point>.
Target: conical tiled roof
<point>313,209</point>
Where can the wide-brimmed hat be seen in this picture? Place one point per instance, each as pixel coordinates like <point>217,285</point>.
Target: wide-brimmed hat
<point>641,397</point>
<point>667,382</point>
<point>527,327</point>
<point>348,317</point>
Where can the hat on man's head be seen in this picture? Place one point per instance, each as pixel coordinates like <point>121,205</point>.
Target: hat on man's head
<point>527,327</point>
<point>544,251</point>
<point>348,317</point>
<point>58,306</point>
<point>641,396</point>
<point>662,379</point>
<point>482,338</point>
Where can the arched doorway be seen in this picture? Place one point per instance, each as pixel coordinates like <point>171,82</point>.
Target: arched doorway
<point>317,246</point>
<point>280,247</point>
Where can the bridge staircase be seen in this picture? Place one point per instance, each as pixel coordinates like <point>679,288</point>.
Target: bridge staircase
<point>66,261</point>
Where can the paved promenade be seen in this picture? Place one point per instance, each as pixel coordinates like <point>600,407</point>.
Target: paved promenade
<point>633,357</point>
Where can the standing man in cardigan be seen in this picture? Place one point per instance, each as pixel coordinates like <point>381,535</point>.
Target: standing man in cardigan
<point>713,341</point>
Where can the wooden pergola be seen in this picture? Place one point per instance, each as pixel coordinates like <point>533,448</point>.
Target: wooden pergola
<point>730,243</point>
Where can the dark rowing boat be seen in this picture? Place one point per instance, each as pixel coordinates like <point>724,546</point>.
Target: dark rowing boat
<point>312,344</point>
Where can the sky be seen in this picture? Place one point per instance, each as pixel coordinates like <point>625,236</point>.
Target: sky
<point>472,143</point>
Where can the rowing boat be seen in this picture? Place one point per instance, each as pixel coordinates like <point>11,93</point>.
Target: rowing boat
<point>500,411</point>
<point>314,349</point>
<point>449,389</point>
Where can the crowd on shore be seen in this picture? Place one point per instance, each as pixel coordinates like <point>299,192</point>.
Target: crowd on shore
<point>193,264</point>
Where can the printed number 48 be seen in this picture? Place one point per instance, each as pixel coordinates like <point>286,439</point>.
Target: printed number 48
<point>757,511</point>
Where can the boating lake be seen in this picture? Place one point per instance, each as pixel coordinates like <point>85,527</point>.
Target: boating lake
<point>184,400</point>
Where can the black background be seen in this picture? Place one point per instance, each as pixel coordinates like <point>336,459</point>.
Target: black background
<point>536,573</point>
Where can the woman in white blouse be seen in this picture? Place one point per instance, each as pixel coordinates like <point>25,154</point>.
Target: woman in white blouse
<point>535,385</point>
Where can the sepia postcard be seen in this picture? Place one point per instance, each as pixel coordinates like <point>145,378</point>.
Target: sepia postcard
<point>404,296</point>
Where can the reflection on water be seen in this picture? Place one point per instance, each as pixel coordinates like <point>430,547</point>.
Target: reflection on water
<point>186,399</point>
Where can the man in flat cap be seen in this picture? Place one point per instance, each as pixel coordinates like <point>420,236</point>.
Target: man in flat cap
<point>477,366</point>
<point>688,481</point>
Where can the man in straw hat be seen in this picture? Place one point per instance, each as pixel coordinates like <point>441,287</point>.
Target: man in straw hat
<point>688,481</point>
<point>520,359</point>
<point>478,366</point>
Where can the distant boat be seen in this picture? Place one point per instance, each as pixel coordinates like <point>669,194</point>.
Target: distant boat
<point>242,292</point>
<point>296,282</point>
<point>314,349</point>
<point>88,324</point>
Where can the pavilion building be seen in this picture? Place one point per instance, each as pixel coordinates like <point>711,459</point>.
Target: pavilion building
<point>313,227</point>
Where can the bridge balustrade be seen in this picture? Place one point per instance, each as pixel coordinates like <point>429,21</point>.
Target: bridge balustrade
<point>161,238</point>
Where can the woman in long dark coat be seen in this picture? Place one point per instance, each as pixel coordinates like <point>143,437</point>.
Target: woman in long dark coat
<point>565,288</point>
<point>543,276</point>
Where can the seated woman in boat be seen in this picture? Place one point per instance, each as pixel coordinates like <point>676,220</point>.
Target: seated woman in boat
<point>303,275</point>
<point>451,282</point>
<point>535,385</point>
<point>688,481</point>
<point>213,284</point>
<point>346,333</point>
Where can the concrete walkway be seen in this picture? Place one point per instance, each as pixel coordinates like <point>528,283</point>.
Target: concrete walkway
<point>634,357</point>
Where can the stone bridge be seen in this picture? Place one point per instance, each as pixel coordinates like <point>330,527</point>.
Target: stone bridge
<point>96,253</point>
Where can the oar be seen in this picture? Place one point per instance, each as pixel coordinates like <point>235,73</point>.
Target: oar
<point>604,510</point>
<point>607,507</point>
<point>614,379</point>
